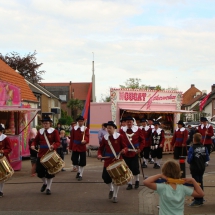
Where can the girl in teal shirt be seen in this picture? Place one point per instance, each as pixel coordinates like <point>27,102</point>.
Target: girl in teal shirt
<point>172,195</point>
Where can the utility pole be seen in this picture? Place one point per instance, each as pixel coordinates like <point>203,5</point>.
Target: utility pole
<point>93,81</point>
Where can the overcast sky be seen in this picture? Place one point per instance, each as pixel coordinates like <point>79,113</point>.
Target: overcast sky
<point>165,42</point>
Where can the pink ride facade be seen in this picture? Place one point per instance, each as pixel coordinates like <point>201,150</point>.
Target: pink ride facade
<point>139,104</point>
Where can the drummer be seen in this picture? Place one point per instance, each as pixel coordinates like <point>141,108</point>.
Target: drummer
<point>119,146</point>
<point>52,144</point>
<point>5,149</point>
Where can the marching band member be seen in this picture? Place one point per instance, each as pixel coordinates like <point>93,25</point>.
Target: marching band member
<point>123,122</point>
<point>147,134</point>
<point>46,139</point>
<point>135,142</point>
<point>206,130</point>
<point>119,146</point>
<point>78,141</point>
<point>150,122</point>
<point>157,144</point>
<point>5,149</point>
<point>179,140</point>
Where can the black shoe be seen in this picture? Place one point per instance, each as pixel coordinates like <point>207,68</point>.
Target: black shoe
<point>79,178</point>
<point>154,165</point>
<point>62,170</point>
<point>157,166</point>
<point>48,192</point>
<point>43,188</point>
<point>110,196</point>
<point>129,187</point>
<point>77,175</point>
<point>144,165</point>
<point>136,185</point>
<point>1,194</point>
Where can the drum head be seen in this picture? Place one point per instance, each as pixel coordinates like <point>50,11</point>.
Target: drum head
<point>47,156</point>
<point>115,164</point>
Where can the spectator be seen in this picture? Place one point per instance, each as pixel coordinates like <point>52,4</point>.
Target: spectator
<point>33,153</point>
<point>59,127</point>
<point>197,156</point>
<point>102,133</point>
<point>192,131</point>
<point>71,126</point>
<point>63,145</point>
<point>172,195</point>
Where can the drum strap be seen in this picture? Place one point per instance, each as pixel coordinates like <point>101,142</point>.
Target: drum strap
<point>112,149</point>
<point>47,141</point>
<point>130,142</point>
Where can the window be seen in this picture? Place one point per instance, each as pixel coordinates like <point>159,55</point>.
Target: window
<point>62,97</point>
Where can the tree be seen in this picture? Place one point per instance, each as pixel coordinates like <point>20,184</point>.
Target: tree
<point>27,65</point>
<point>76,106</point>
<point>65,119</point>
<point>133,83</point>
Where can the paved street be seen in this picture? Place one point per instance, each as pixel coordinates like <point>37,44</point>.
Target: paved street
<point>22,193</point>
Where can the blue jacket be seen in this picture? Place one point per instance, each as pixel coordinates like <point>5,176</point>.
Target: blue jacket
<point>197,156</point>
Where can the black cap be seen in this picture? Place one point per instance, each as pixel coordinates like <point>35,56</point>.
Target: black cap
<point>129,118</point>
<point>203,119</point>
<point>46,118</point>
<point>180,122</point>
<point>80,118</point>
<point>156,123</point>
<point>123,119</point>
<point>2,128</point>
<point>151,119</point>
<point>110,123</point>
<point>143,120</point>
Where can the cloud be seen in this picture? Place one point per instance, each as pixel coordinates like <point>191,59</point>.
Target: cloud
<point>157,41</point>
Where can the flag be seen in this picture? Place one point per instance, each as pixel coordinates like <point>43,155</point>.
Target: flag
<point>85,112</point>
<point>203,102</point>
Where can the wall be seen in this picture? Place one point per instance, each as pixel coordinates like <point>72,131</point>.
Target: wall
<point>208,109</point>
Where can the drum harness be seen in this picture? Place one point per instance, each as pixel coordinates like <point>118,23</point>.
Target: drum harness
<point>113,151</point>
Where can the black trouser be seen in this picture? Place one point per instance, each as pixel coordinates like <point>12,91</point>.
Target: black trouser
<point>106,177</point>
<point>199,179</point>
<point>42,171</point>
<point>133,164</point>
<point>208,146</point>
<point>157,153</point>
<point>60,152</point>
<point>180,151</point>
<point>78,158</point>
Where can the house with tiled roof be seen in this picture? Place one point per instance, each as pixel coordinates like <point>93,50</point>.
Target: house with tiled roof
<point>9,75</point>
<point>209,106</point>
<point>46,100</point>
<point>67,91</point>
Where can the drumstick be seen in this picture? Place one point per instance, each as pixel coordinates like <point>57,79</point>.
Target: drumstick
<point>105,157</point>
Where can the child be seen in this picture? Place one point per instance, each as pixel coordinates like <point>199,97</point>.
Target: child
<point>197,157</point>
<point>33,153</point>
<point>171,195</point>
<point>63,145</point>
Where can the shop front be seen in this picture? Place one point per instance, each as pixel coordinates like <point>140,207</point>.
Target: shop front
<point>16,118</point>
<point>165,105</point>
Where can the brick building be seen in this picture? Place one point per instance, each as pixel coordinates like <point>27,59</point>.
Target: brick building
<point>67,91</point>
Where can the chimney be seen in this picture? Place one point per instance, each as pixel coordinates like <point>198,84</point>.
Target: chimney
<point>212,87</point>
<point>192,85</point>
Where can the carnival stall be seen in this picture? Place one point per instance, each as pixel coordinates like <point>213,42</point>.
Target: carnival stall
<point>139,104</point>
<point>16,117</point>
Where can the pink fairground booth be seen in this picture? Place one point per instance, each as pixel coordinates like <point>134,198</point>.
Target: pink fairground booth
<point>139,104</point>
<point>16,118</point>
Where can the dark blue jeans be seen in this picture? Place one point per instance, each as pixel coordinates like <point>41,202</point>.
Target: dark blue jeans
<point>199,179</point>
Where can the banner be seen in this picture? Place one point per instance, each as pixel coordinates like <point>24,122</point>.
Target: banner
<point>203,102</point>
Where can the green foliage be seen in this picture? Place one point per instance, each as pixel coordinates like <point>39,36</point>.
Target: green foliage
<point>65,119</point>
<point>76,106</point>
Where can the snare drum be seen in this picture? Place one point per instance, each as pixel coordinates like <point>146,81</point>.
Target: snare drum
<point>52,162</point>
<point>6,171</point>
<point>119,172</point>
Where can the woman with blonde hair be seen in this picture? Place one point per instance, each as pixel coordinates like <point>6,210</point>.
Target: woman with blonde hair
<point>171,194</point>
<point>33,153</point>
